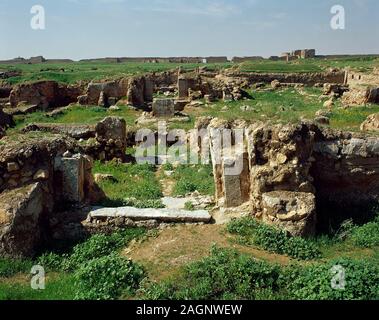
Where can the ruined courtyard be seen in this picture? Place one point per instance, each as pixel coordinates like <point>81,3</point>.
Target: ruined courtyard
<point>306,144</point>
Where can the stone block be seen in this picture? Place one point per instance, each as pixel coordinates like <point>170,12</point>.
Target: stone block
<point>163,107</point>
<point>183,88</point>
<point>73,175</point>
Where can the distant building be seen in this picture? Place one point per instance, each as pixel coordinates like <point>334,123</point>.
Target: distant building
<point>215,60</point>
<point>308,53</point>
<point>34,60</point>
<point>298,54</point>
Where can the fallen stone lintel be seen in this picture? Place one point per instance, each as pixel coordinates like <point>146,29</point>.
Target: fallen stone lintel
<point>164,215</point>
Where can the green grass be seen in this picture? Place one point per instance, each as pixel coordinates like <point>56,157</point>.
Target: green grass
<point>263,66</point>
<point>252,232</point>
<point>285,106</point>
<point>68,273</point>
<point>88,71</point>
<point>351,118</point>
<point>363,64</point>
<point>190,178</point>
<point>132,181</point>
<point>227,274</point>
<point>58,287</point>
<point>77,115</point>
<point>9,268</point>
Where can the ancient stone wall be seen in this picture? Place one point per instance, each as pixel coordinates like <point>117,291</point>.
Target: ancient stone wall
<point>44,94</point>
<point>104,141</point>
<point>363,79</point>
<point>39,176</point>
<point>111,89</point>
<point>5,122</point>
<point>346,169</point>
<point>288,169</point>
<point>5,92</point>
<point>304,78</point>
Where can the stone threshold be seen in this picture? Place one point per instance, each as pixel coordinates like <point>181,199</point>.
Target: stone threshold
<point>161,215</point>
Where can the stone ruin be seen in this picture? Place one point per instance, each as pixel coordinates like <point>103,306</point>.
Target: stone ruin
<point>289,171</point>
<point>39,176</point>
<point>106,140</point>
<point>138,91</point>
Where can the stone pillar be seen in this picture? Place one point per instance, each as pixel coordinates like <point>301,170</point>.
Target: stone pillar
<point>149,90</point>
<point>72,172</point>
<point>230,166</point>
<point>183,88</point>
<point>236,186</point>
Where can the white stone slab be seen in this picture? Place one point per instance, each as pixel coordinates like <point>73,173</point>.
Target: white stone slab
<point>164,215</point>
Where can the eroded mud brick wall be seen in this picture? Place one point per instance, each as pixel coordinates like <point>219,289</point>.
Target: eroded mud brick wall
<point>44,94</point>
<point>305,78</point>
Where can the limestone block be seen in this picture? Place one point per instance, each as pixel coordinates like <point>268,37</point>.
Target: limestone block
<point>163,215</point>
<point>163,107</point>
<point>294,211</point>
<point>183,88</point>
<point>20,211</point>
<point>73,178</point>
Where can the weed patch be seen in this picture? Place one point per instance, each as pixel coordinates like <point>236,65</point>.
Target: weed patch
<point>253,232</point>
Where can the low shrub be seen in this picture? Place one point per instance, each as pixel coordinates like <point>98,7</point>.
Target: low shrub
<point>106,278</point>
<point>366,236</point>
<point>10,267</point>
<point>52,261</point>
<point>100,245</point>
<point>168,166</point>
<point>360,281</point>
<point>225,274</point>
<point>253,232</point>
<point>97,246</point>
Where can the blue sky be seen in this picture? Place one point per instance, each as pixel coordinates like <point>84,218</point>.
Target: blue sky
<point>97,28</point>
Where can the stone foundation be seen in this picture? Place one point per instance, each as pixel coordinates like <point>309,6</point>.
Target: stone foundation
<point>287,169</point>
<point>39,177</point>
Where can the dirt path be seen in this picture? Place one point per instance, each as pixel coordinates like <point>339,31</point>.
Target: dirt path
<point>167,183</point>
<point>164,255</point>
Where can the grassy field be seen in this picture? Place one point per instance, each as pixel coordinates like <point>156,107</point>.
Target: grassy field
<point>91,71</point>
<point>77,115</point>
<point>363,64</point>
<point>87,71</point>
